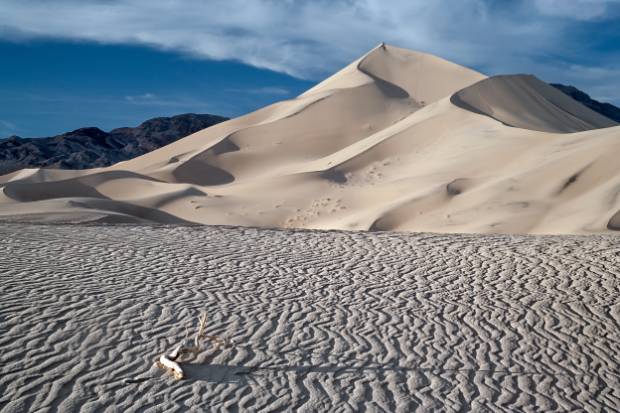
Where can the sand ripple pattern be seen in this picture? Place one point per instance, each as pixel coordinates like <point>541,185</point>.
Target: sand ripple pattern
<point>320,321</point>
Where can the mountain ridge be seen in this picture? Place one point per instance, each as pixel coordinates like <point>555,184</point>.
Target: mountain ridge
<point>606,109</point>
<point>91,147</point>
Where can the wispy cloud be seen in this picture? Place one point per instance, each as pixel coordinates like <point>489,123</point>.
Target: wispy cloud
<point>8,125</point>
<point>576,9</point>
<point>151,99</point>
<point>311,39</point>
<point>146,97</point>
<point>267,90</point>
<point>7,128</point>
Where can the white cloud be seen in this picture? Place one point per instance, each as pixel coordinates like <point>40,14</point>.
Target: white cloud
<point>7,125</point>
<point>144,98</point>
<point>312,38</point>
<point>7,128</point>
<point>267,90</point>
<point>575,9</point>
<point>151,99</point>
<point>303,38</point>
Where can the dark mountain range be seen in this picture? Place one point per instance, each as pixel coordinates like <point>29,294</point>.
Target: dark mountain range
<point>91,147</point>
<point>605,109</point>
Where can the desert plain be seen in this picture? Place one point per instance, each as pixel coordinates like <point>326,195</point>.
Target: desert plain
<point>315,320</point>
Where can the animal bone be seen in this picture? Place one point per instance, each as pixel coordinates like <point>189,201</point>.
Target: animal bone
<point>171,360</point>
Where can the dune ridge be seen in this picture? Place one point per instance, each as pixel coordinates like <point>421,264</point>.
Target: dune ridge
<point>523,101</point>
<point>397,140</point>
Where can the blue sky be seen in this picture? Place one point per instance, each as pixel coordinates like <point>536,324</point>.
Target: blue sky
<point>110,63</point>
<point>51,87</point>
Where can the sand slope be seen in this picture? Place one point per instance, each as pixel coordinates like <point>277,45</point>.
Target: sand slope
<point>398,140</point>
<point>321,321</point>
<point>526,102</point>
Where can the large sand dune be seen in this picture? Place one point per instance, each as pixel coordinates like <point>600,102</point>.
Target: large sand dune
<point>398,140</point>
<point>320,321</point>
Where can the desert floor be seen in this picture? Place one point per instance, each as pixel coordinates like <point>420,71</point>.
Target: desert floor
<point>317,321</point>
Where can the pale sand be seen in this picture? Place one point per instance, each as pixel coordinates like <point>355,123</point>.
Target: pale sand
<point>321,321</point>
<point>398,140</point>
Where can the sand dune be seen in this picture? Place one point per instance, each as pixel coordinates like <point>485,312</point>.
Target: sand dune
<point>526,102</point>
<point>397,140</point>
<point>319,321</point>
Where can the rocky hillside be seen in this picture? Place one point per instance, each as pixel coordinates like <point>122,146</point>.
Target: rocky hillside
<point>605,109</point>
<point>91,147</point>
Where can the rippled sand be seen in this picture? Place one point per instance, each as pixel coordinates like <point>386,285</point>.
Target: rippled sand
<point>319,321</point>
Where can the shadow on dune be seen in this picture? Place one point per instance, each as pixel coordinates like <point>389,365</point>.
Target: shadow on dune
<point>224,146</point>
<point>457,186</point>
<point>614,222</point>
<point>79,193</point>
<point>391,90</point>
<point>198,172</point>
<point>31,192</point>
<point>524,101</point>
<point>178,195</point>
<point>75,187</point>
<point>128,210</point>
<point>334,175</point>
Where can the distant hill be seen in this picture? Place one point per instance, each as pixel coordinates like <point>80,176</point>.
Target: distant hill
<point>605,109</point>
<point>91,147</point>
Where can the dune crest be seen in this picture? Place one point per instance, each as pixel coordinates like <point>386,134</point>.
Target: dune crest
<point>523,101</point>
<point>397,140</point>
